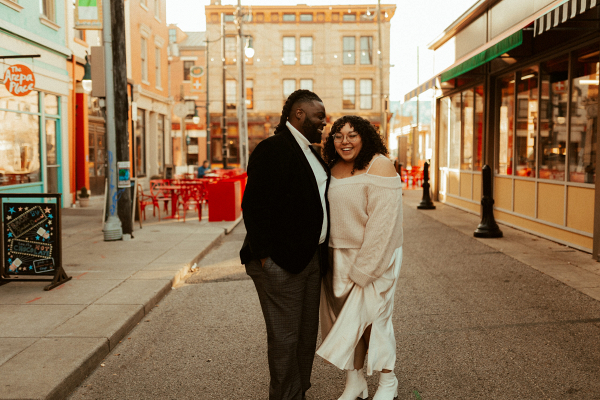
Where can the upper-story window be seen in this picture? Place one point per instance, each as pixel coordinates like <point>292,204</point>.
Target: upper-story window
<point>144,55</point>
<point>157,8</point>
<point>366,94</point>
<point>348,94</point>
<point>289,17</point>
<point>306,84</point>
<point>349,17</point>
<point>306,17</point>
<point>366,50</point>
<point>172,35</point>
<point>186,69</point>
<point>306,51</point>
<point>229,18</point>
<point>47,9</point>
<point>289,87</point>
<point>289,50</point>
<point>349,49</point>
<point>144,3</point>
<point>230,50</point>
<point>157,69</point>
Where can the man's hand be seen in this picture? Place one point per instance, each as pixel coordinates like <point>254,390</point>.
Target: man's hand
<point>262,261</point>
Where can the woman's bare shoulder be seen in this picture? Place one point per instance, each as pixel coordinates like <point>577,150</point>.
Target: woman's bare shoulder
<point>384,167</point>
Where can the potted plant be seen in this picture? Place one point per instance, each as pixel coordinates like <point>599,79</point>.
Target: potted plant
<point>84,197</point>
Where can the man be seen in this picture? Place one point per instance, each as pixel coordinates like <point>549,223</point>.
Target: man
<point>203,169</point>
<point>285,251</point>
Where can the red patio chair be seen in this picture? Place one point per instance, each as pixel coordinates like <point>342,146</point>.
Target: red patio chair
<point>146,200</point>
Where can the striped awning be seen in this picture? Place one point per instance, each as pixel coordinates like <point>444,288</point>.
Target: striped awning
<point>562,13</point>
<point>430,84</point>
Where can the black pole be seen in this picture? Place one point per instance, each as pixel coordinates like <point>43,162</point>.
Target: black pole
<point>488,228</point>
<point>426,203</point>
<point>224,116</point>
<point>117,11</point>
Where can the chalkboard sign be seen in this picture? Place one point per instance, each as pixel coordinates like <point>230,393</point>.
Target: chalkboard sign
<point>30,238</point>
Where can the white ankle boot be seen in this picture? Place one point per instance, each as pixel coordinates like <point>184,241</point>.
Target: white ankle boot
<point>388,387</point>
<point>356,385</point>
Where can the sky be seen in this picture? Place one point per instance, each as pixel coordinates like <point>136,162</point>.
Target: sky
<point>415,24</point>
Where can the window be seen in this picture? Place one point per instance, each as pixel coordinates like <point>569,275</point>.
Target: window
<point>187,65</point>
<point>289,17</point>
<point>306,84</point>
<point>289,50</point>
<point>306,51</point>
<point>306,17</point>
<point>554,99</point>
<point>349,94</point>
<point>289,87</point>
<point>160,142</point>
<point>366,94</point>
<point>455,131</point>
<point>231,94</point>
<point>157,8</point>
<point>478,128</point>
<point>140,143</point>
<point>144,54</point>
<point>527,119</point>
<point>444,125</point>
<point>584,116</point>
<point>249,94</point>
<point>349,17</point>
<point>229,18</point>
<point>505,128</point>
<point>157,71</point>
<point>466,162</point>
<point>47,9</point>
<point>230,50</point>
<point>349,49</point>
<point>366,50</point>
<point>172,35</point>
<point>144,3</point>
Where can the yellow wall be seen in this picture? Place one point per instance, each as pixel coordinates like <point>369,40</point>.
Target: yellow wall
<point>477,187</point>
<point>525,198</point>
<point>503,193</point>
<point>453,189</point>
<point>476,208</point>
<point>466,186</point>
<point>551,203</point>
<point>580,209</point>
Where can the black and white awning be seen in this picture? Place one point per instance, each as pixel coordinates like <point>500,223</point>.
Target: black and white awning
<point>567,10</point>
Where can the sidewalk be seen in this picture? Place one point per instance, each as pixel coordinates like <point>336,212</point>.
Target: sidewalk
<point>50,341</point>
<point>570,266</point>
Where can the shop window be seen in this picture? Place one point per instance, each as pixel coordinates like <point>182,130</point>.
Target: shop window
<point>230,50</point>
<point>366,94</point>
<point>366,50</point>
<point>527,120</point>
<point>349,43</point>
<point>554,98</point>
<point>505,126</point>
<point>289,50</point>
<point>584,116</point>
<point>144,56</point>
<point>478,129</point>
<point>349,94</point>
<point>443,131</point>
<point>306,51</point>
<point>187,65</point>
<point>289,86</point>
<point>140,143</point>
<point>468,113</point>
<point>51,104</point>
<point>249,94</point>
<point>231,94</point>
<point>306,84</point>
<point>160,142</point>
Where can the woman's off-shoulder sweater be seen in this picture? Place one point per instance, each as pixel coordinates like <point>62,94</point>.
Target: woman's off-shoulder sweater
<point>366,214</point>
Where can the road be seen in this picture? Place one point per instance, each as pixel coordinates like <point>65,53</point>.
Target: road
<point>470,322</point>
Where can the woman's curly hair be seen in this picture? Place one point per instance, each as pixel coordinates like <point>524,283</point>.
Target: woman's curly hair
<point>372,142</point>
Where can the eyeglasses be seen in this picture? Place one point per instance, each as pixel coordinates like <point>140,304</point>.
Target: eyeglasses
<point>352,138</point>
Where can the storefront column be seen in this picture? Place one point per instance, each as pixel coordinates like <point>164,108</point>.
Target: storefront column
<point>82,141</point>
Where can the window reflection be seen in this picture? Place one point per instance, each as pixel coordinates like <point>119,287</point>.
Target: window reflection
<point>467,140</point>
<point>507,105</point>
<point>455,131</point>
<point>478,128</point>
<point>527,119</point>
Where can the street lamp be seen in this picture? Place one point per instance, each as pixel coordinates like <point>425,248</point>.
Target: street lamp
<point>196,117</point>
<point>249,49</point>
<point>86,83</point>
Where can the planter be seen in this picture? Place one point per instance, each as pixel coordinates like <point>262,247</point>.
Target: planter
<point>84,202</point>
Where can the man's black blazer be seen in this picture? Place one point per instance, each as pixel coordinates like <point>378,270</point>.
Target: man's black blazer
<point>282,207</point>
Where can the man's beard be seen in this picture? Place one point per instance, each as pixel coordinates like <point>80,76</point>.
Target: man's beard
<point>311,132</point>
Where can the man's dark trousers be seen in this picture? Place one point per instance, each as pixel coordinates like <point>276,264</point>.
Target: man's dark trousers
<point>290,305</point>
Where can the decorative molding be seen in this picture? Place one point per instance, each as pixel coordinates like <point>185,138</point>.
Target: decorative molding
<point>50,24</point>
<point>145,30</point>
<point>159,41</point>
<point>144,6</point>
<point>12,4</point>
<point>188,58</point>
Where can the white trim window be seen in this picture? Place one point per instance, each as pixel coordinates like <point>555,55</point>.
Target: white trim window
<point>348,94</point>
<point>231,94</point>
<point>306,50</point>
<point>157,9</point>
<point>289,87</point>
<point>157,67</point>
<point>289,50</point>
<point>366,94</point>
<point>144,56</point>
<point>349,43</point>
<point>366,50</point>
<point>47,9</point>
<point>306,84</point>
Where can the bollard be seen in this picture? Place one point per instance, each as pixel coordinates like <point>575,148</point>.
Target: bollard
<point>488,228</point>
<point>426,203</point>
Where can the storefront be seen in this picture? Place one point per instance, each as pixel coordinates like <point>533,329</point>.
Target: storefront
<point>526,103</point>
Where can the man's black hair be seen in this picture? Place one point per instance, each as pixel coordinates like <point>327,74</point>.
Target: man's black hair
<point>299,96</point>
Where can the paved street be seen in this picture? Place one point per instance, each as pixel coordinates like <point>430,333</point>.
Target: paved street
<point>471,322</point>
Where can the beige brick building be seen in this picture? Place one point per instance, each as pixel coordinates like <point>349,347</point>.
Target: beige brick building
<point>332,50</point>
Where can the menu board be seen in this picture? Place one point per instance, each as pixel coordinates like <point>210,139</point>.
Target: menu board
<point>30,237</point>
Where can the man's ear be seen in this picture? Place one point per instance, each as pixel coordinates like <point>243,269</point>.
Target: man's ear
<point>298,113</point>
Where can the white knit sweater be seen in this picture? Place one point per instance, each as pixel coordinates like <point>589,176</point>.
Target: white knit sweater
<point>366,214</point>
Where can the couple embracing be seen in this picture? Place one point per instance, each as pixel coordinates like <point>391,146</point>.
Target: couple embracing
<point>324,238</point>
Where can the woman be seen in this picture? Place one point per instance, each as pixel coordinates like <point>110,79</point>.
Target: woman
<point>357,297</point>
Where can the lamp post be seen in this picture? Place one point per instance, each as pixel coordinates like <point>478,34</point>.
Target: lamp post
<point>86,82</point>
<point>243,52</point>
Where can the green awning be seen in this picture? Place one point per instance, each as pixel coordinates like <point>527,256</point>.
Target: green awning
<point>488,54</point>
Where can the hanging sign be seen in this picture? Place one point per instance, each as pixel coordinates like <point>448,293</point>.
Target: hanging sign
<point>124,180</point>
<point>196,71</point>
<point>88,14</point>
<point>19,80</point>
